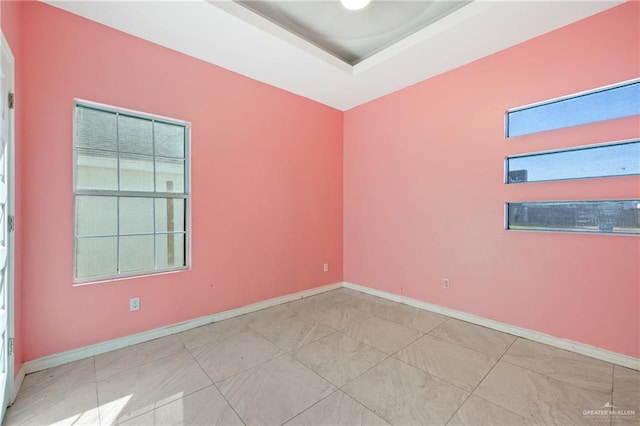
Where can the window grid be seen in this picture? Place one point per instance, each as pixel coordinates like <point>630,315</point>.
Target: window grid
<point>119,194</point>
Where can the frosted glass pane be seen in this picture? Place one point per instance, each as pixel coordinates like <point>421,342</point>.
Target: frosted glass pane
<point>136,253</point>
<point>96,169</point>
<point>136,215</point>
<point>96,216</point>
<point>169,175</point>
<point>611,216</point>
<point>169,140</point>
<point>96,129</point>
<point>136,173</point>
<point>170,214</point>
<point>170,250</point>
<point>96,257</point>
<point>135,135</point>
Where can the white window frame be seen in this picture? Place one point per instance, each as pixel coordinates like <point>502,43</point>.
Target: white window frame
<point>138,194</point>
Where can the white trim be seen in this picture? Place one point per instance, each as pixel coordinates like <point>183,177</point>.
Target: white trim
<point>575,95</point>
<point>10,360</point>
<point>569,345</point>
<point>16,384</point>
<point>122,342</point>
<point>575,148</point>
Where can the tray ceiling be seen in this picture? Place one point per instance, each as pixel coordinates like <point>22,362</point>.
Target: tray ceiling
<point>325,53</point>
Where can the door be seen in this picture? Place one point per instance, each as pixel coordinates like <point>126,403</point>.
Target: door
<point>6,224</point>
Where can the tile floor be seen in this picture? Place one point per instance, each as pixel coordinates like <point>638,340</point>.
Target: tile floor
<point>338,358</point>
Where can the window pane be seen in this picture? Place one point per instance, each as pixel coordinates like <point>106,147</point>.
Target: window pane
<point>607,104</point>
<point>135,135</point>
<point>96,129</point>
<point>610,160</point>
<point>621,217</point>
<point>170,250</point>
<point>96,169</point>
<point>136,173</point>
<point>136,215</point>
<point>169,175</point>
<point>96,216</point>
<point>169,140</point>
<point>136,253</point>
<point>170,214</point>
<point>96,257</point>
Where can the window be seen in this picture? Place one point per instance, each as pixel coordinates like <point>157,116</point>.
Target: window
<point>621,100</point>
<point>131,193</point>
<point>620,159</point>
<point>610,216</point>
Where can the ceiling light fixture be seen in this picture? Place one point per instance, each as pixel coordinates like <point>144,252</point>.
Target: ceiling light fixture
<point>355,4</point>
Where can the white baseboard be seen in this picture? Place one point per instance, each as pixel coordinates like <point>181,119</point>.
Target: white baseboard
<point>17,382</point>
<point>569,345</point>
<point>122,342</point>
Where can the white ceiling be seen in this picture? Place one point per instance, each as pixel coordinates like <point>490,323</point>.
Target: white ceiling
<point>229,35</point>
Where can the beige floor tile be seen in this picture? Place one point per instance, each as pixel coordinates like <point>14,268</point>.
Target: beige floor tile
<point>387,336</point>
<point>405,395</point>
<point>371,304</point>
<point>562,365</point>
<point>337,409</point>
<point>136,355</point>
<point>409,316</point>
<point>201,336</point>
<point>267,316</point>
<point>293,332</point>
<point>64,395</point>
<point>479,412</point>
<point>451,362</point>
<point>482,339</point>
<point>274,392</point>
<point>338,358</point>
<point>626,396</point>
<point>312,304</point>
<point>343,295</point>
<point>135,391</point>
<point>540,398</point>
<point>236,353</point>
<point>74,372</point>
<point>204,407</point>
<point>338,315</point>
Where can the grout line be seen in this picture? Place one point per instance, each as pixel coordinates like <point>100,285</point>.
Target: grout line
<point>480,382</point>
<point>95,376</point>
<point>228,403</point>
<point>311,406</point>
<point>613,378</point>
<point>213,383</point>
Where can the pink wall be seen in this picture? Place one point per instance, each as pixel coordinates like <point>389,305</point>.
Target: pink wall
<point>11,23</point>
<point>424,192</point>
<point>266,184</point>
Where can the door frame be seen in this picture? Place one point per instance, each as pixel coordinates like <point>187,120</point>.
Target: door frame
<point>10,392</point>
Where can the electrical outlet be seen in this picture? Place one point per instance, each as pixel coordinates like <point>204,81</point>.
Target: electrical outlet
<point>445,283</point>
<point>134,304</point>
<point>325,267</point>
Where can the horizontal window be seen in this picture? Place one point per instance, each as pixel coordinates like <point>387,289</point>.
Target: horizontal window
<point>618,101</point>
<point>619,159</point>
<point>611,216</point>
